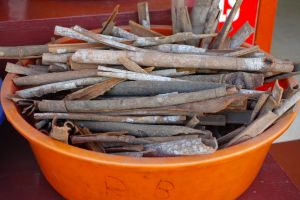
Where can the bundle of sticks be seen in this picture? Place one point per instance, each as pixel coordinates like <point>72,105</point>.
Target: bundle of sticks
<point>140,93</point>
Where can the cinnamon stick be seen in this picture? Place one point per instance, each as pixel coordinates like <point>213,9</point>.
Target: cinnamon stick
<point>140,30</point>
<point>143,14</point>
<point>22,52</point>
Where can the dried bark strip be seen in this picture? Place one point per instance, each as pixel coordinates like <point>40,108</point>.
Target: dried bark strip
<point>108,42</point>
<point>123,74</point>
<point>241,35</point>
<point>174,72</point>
<point>211,23</point>
<point>119,32</point>
<point>140,30</point>
<point>41,90</point>
<point>175,12</point>
<point>226,138</point>
<point>42,79</point>
<point>68,32</point>
<point>243,52</point>
<point>130,65</point>
<point>49,58</point>
<point>240,79</point>
<point>193,122</point>
<point>140,130</point>
<point>151,88</point>
<point>59,67</point>
<point>176,38</point>
<point>179,48</point>
<point>290,102</point>
<point>212,120</point>
<point>258,106</point>
<point>282,76</point>
<point>236,116</point>
<point>129,103</point>
<point>199,15</point>
<point>158,59</point>
<point>93,91</point>
<point>107,118</point>
<point>143,14</point>
<point>21,52</point>
<point>18,69</point>
<point>73,47</point>
<point>127,148</point>
<point>222,35</point>
<point>110,21</point>
<point>181,147</point>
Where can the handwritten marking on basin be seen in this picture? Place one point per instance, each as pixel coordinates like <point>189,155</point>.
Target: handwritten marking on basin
<point>163,189</point>
<point>115,186</point>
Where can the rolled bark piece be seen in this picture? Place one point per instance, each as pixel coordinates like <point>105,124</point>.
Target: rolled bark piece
<point>179,48</point>
<point>140,130</point>
<point>42,79</point>
<point>140,30</point>
<point>73,47</point>
<point>226,138</point>
<point>243,51</point>
<point>199,15</point>
<point>211,23</point>
<point>241,35</point>
<point>43,68</point>
<point>108,42</point>
<point>59,67</point>
<point>81,66</point>
<point>19,52</point>
<point>123,74</point>
<point>158,59</point>
<point>178,37</point>
<point>107,118</point>
<point>119,32</point>
<point>193,122</point>
<point>49,58</point>
<point>68,32</point>
<point>129,103</point>
<point>151,88</point>
<point>212,120</point>
<point>237,117</point>
<point>130,65</point>
<point>177,5</point>
<point>127,139</point>
<point>126,148</point>
<point>186,22</point>
<point>18,69</point>
<point>93,91</point>
<point>143,14</point>
<point>222,35</point>
<point>240,79</point>
<point>174,72</point>
<point>281,76</point>
<point>41,90</point>
<point>182,147</point>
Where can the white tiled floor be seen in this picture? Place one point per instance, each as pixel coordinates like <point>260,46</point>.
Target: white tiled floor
<point>286,44</point>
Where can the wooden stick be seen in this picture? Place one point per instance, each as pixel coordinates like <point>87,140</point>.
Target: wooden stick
<point>81,66</point>
<point>140,30</point>
<point>176,38</point>
<point>158,59</point>
<point>181,147</point>
<point>140,130</point>
<point>143,14</point>
<point>130,65</point>
<point>173,72</point>
<point>127,148</point>
<point>123,74</point>
<point>107,118</point>
<point>58,67</point>
<point>119,32</point>
<point>186,24</point>
<point>211,23</point>
<point>129,103</point>
<point>43,68</point>
<point>93,91</point>
<point>288,104</point>
<point>49,58</point>
<point>282,76</point>
<point>68,32</point>
<point>18,69</point>
<point>212,120</point>
<point>150,88</point>
<point>105,41</point>
<point>179,48</point>
<point>41,90</point>
<point>222,35</point>
<point>241,35</point>
<point>21,52</point>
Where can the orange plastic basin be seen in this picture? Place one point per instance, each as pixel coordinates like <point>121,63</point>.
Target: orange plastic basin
<point>81,174</point>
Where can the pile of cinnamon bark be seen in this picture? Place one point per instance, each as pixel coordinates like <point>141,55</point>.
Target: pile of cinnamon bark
<point>137,92</point>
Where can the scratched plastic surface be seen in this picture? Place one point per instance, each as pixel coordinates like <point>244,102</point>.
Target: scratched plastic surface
<point>80,174</point>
